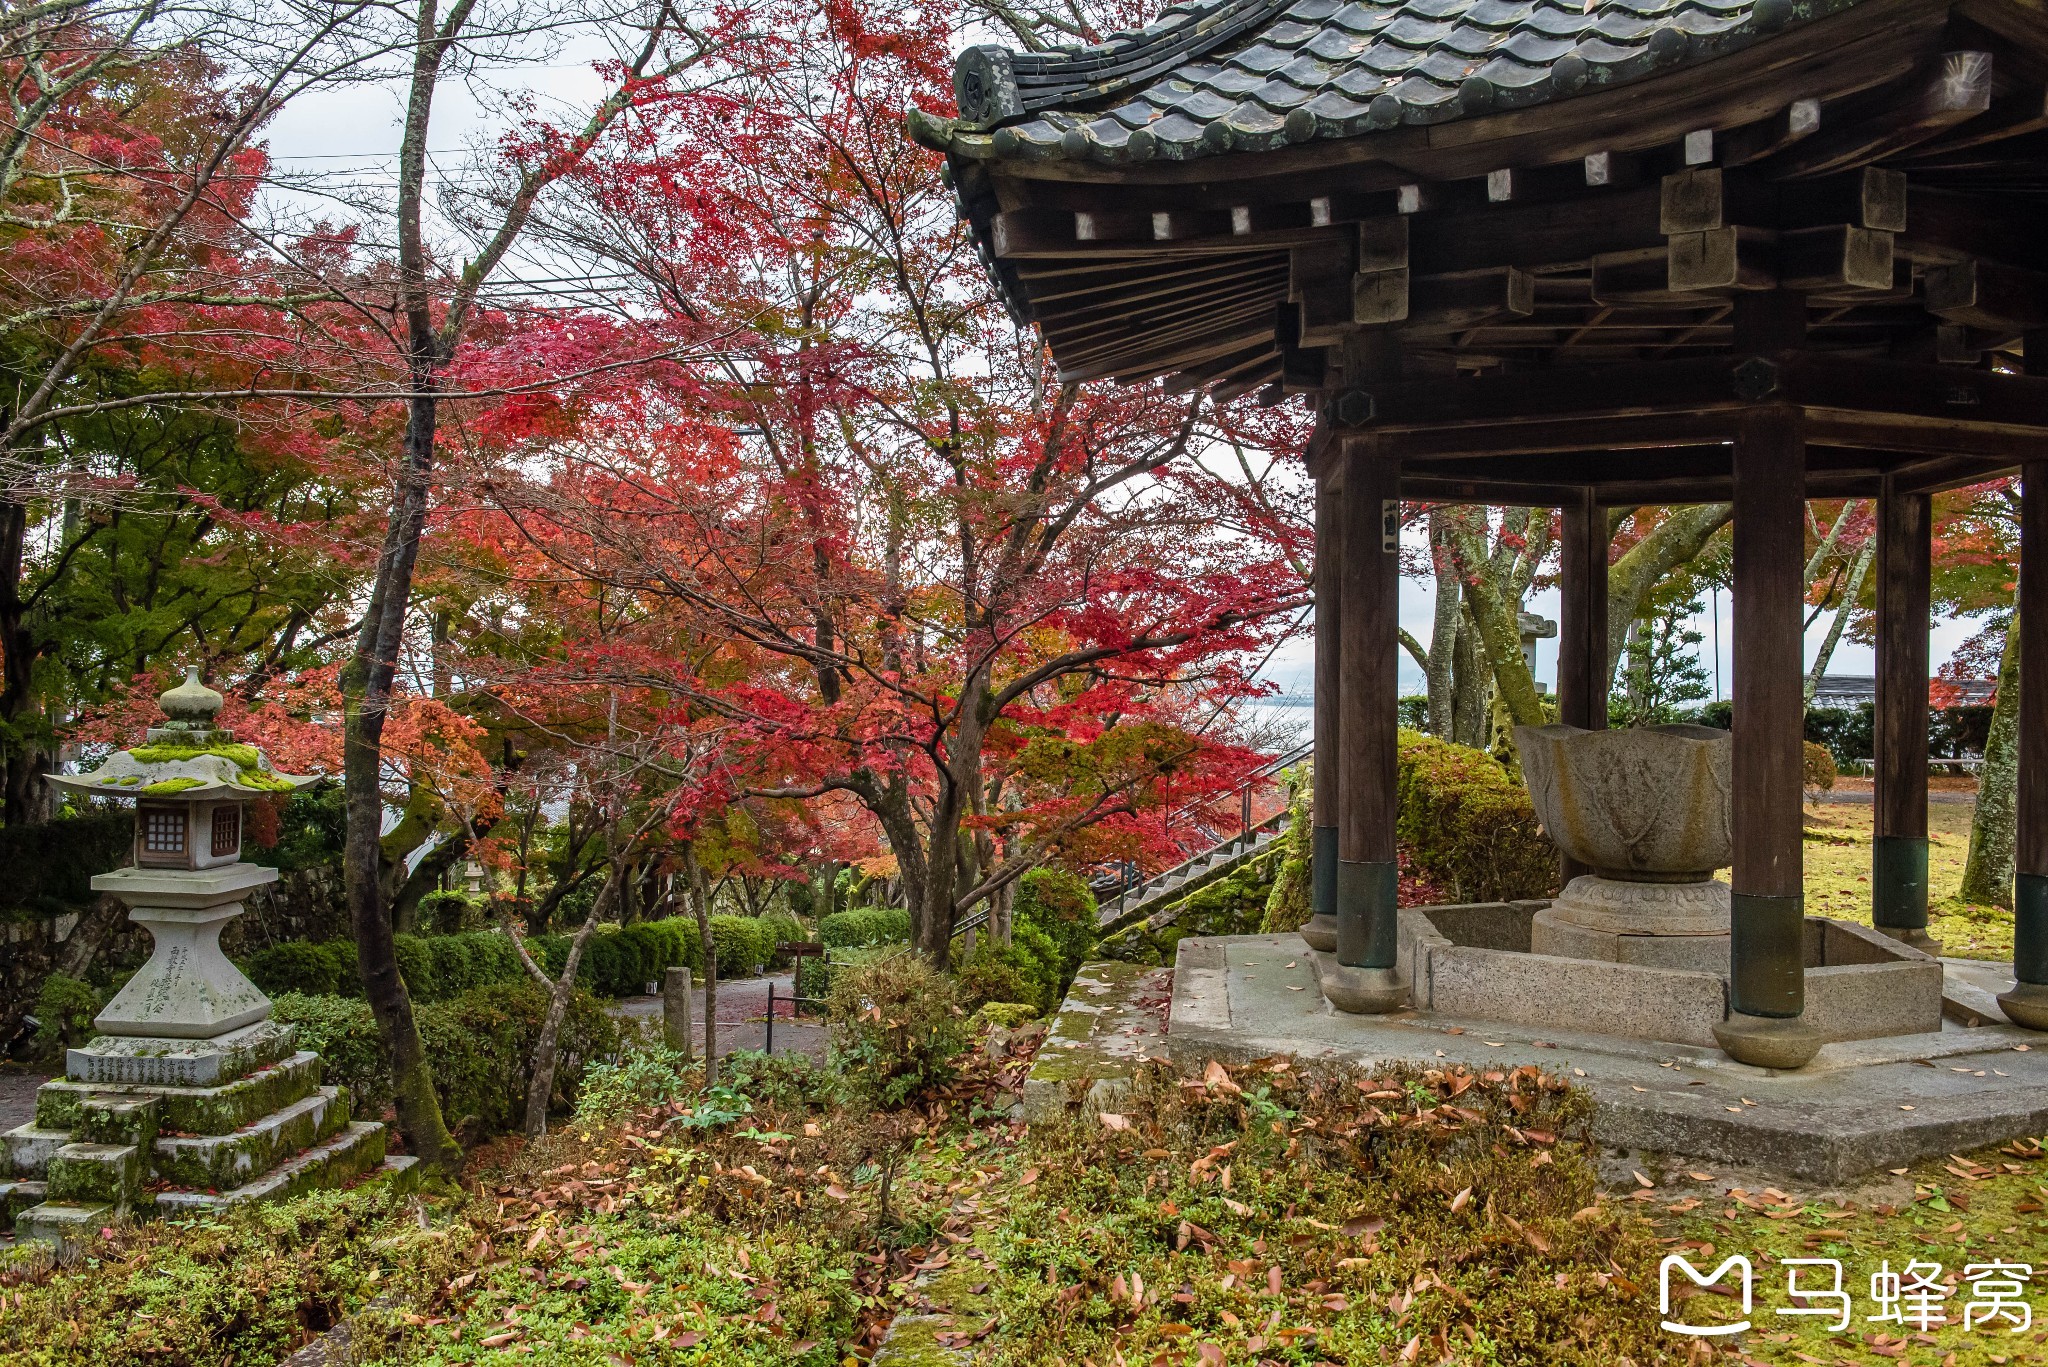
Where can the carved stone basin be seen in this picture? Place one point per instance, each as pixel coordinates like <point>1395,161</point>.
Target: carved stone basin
<point>1645,805</point>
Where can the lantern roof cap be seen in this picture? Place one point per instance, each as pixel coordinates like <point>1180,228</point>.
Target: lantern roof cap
<point>186,759</point>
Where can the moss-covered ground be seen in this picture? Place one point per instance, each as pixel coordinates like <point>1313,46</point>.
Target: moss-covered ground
<point>1838,839</point>
<point>1264,1215</point>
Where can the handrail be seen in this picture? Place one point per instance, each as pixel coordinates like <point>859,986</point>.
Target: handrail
<point>1243,790</point>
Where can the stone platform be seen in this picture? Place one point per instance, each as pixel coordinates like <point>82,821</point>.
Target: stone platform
<point>1861,1105</point>
<point>166,1126</point>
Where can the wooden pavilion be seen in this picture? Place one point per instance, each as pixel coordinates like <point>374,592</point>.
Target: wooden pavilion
<point>1588,257</point>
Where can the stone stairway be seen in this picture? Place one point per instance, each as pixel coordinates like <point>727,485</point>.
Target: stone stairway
<point>1155,895</point>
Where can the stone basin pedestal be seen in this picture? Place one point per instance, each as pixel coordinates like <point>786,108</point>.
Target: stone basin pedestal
<point>1647,809</point>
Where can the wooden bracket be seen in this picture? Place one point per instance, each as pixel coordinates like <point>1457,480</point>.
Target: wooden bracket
<point>1837,257</point>
<point>1721,258</point>
<point>1984,294</point>
<point>1379,292</point>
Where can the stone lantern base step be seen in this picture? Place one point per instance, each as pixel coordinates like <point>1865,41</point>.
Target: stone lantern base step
<point>221,1161</point>
<point>335,1162</point>
<point>68,1225</point>
<point>193,1110</point>
<point>17,1196</point>
<point>148,1061</point>
<point>26,1149</point>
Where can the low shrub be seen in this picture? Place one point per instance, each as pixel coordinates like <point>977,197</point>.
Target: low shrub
<point>742,944</point>
<point>780,928</point>
<point>618,961</point>
<point>64,1010</point>
<point>481,1044</point>
<point>642,1076</point>
<point>813,977</point>
<point>1001,1016</point>
<point>994,974</point>
<point>898,1027</point>
<point>1817,769</point>
<point>784,1081</point>
<point>864,926</point>
<point>1471,827</point>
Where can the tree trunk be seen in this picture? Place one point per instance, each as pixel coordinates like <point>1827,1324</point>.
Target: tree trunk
<point>26,801</point>
<point>540,1088</point>
<point>1988,875</point>
<point>1443,635</point>
<point>1495,614</point>
<point>366,685</point>
<point>1469,682</point>
<point>1675,541</point>
<point>1859,569</point>
<point>700,904</point>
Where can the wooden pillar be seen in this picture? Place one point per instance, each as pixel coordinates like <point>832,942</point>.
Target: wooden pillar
<point>1367,883</point>
<point>1898,864</point>
<point>1582,676</point>
<point>1767,953</point>
<point>2027,1003</point>
<point>1321,930</point>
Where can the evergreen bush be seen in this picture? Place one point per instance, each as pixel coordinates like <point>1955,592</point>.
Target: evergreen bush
<point>318,970</point>
<point>451,913</point>
<point>1469,826</point>
<point>618,961</point>
<point>742,943</point>
<point>64,1011</point>
<point>481,1044</point>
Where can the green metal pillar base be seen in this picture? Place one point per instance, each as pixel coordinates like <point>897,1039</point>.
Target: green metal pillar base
<point>2027,1003</point>
<point>1767,956</point>
<point>1321,928</point>
<point>1363,991</point>
<point>1366,919</point>
<point>1898,890</point>
<point>1768,1041</point>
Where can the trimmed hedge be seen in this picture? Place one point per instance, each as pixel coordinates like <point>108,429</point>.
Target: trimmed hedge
<point>1052,933</point>
<point>618,961</point>
<point>1471,828</point>
<point>864,926</point>
<point>49,867</point>
<point>481,1043</point>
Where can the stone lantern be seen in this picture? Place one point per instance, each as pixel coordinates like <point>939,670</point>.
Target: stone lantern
<point>191,1097</point>
<point>190,782</point>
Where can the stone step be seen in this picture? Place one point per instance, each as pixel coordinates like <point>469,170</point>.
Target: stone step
<point>118,1118</point>
<point>357,1149</point>
<point>17,1196</point>
<point>110,1174</point>
<point>192,1110</point>
<point>28,1148</point>
<point>221,1161</point>
<point>70,1225</point>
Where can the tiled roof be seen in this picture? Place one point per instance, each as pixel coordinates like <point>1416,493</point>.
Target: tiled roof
<point>1212,76</point>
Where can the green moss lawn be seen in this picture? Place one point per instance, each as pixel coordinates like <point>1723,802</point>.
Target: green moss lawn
<point>1838,876</point>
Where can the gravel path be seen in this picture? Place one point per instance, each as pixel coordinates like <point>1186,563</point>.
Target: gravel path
<point>742,1012</point>
<point>18,1096</point>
